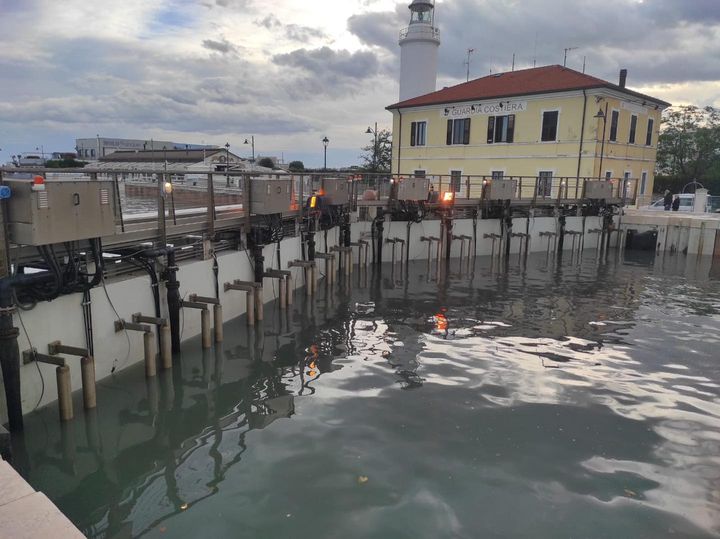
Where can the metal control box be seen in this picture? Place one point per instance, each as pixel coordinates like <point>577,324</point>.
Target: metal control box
<point>413,188</point>
<point>598,190</point>
<point>60,210</point>
<point>269,196</point>
<point>501,190</point>
<point>337,191</point>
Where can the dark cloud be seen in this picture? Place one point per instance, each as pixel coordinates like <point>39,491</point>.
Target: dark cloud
<point>293,32</point>
<point>223,46</point>
<point>380,30</point>
<point>328,63</point>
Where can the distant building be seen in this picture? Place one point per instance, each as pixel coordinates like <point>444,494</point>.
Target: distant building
<point>542,123</point>
<point>193,164</point>
<point>99,147</point>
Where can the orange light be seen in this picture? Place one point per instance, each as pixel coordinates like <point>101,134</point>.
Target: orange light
<point>448,196</point>
<point>321,192</point>
<point>313,202</point>
<point>38,180</point>
<point>441,322</point>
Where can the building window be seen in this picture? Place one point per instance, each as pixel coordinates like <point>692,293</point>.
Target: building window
<point>633,129</point>
<point>92,153</point>
<point>608,175</point>
<point>417,133</point>
<point>545,183</point>
<point>498,175</point>
<point>649,137</point>
<point>550,126</point>
<point>455,180</point>
<point>501,129</point>
<point>614,120</point>
<point>458,131</point>
<point>643,182</point>
<point>419,173</point>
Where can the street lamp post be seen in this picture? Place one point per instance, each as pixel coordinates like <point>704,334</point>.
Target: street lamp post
<point>374,132</point>
<point>325,142</point>
<point>603,116</point>
<point>227,164</point>
<point>252,143</point>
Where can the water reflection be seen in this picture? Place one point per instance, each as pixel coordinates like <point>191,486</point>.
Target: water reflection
<point>582,392</point>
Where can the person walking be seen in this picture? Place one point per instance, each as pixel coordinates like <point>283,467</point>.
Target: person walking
<point>676,204</point>
<point>668,200</point>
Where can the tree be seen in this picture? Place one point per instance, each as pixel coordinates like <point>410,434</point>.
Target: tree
<point>378,157</point>
<point>266,162</point>
<point>689,143</point>
<point>296,166</point>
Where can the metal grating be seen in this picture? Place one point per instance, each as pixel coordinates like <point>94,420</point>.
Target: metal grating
<point>42,200</point>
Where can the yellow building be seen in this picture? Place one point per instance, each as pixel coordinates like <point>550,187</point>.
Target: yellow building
<point>544,125</point>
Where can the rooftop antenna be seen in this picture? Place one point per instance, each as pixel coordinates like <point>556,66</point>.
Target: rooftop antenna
<point>568,49</point>
<point>467,63</point>
<point>535,50</point>
<point>513,66</point>
<point>584,63</point>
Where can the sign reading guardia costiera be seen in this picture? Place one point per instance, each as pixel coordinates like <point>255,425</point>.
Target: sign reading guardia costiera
<point>484,109</point>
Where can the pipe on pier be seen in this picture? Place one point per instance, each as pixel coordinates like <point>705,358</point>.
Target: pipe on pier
<point>64,389</point>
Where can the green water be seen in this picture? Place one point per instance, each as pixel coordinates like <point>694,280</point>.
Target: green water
<point>548,401</point>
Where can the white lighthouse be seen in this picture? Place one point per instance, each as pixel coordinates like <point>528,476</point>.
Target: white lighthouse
<point>419,45</point>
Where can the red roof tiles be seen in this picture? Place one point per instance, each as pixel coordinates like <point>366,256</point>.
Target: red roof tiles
<point>540,80</point>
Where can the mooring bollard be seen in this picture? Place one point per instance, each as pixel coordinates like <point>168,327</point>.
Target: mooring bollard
<point>87,370</point>
<point>165,350</point>
<point>205,329</point>
<point>329,259</point>
<point>62,375</point>
<point>249,289</point>
<point>64,393</point>
<point>150,355</point>
<point>217,312</point>
<point>309,269</point>
<point>165,347</point>
<point>218,322</point>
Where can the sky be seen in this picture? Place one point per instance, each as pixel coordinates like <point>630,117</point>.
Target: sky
<point>290,72</point>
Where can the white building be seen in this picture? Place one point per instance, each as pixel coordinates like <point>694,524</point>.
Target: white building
<point>99,147</point>
<point>419,44</point>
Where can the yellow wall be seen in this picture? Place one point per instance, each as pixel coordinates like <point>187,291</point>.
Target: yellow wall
<point>527,155</point>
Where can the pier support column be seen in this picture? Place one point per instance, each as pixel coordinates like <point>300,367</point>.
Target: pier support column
<point>150,355</point>
<point>174,301</point>
<point>10,358</point>
<point>64,389</point>
<point>205,329</point>
<point>218,319</point>
<point>165,347</point>
<point>87,371</point>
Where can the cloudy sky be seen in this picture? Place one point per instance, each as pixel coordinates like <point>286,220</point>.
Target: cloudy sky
<point>290,72</point>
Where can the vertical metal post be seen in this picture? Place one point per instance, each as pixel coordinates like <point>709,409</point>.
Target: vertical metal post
<point>165,347</point>
<point>64,389</point>
<point>150,359</point>
<point>10,358</point>
<point>174,301</point>
<point>87,371</point>
<point>205,329</point>
<point>218,319</point>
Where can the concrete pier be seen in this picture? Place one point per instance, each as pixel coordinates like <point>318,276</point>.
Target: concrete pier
<point>26,514</point>
<point>677,232</point>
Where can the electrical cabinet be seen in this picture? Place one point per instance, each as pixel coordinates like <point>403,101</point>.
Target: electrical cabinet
<point>413,188</point>
<point>337,191</point>
<point>598,190</point>
<point>269,196</point>
<point>58,211</point>
<point>501,190</point>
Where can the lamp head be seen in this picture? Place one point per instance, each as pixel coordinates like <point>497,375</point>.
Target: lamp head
<point>600,114</point>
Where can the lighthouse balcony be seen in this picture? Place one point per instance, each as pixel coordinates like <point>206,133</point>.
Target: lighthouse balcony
<point>420,31</point>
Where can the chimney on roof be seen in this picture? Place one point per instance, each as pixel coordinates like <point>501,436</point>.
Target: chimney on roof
<point>623,78</point>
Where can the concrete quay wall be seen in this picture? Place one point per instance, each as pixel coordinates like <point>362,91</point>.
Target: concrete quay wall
<point>62,319</point>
